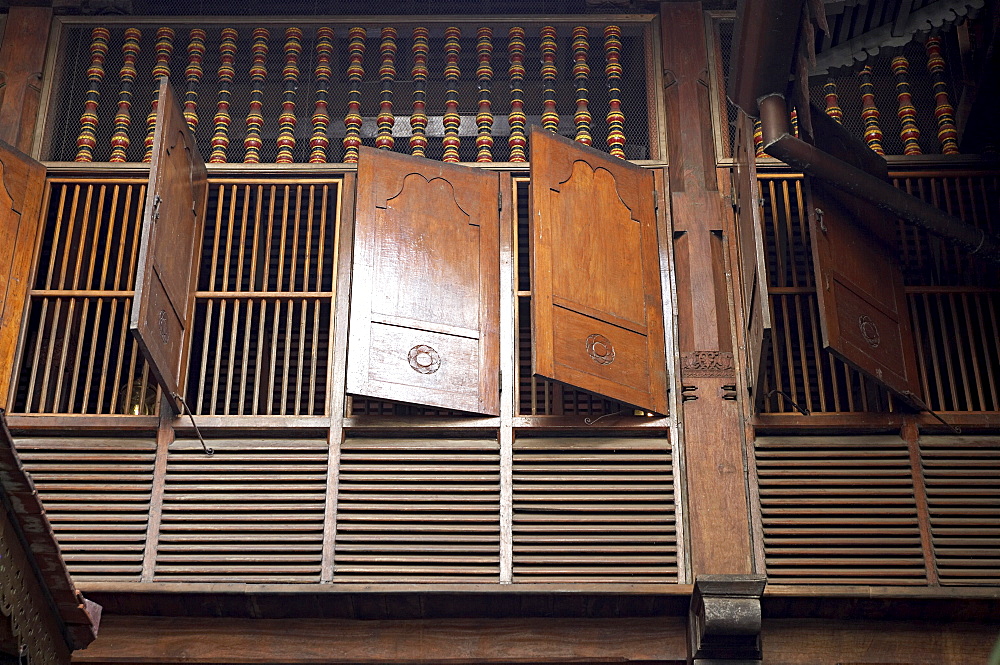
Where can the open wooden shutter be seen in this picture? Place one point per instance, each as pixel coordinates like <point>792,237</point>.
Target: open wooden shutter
<point>172,227</point>
<point>862,304</point>
<point>596,306</point>
<point>753,273</point>
<point>23,183</point>
<point>425,294</point>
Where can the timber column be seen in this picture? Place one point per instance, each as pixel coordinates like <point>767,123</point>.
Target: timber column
<point>718,518</point>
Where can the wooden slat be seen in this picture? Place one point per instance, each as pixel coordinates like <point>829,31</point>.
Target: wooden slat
<point>839,510</point>
<point>963,498</point>
<point>418,510</point>
<point>252,512</point>
<point>589,510</point>
<point>97,496</point>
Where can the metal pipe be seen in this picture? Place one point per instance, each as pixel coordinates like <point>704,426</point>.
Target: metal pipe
<point>779,143</point>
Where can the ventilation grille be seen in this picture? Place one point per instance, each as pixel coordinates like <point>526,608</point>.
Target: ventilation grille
<point>252,512</point>
<point>594,510</point>
<point>962,475</point>
<point>839,511</point>
<point>96,493</point>
<point>418,511</point>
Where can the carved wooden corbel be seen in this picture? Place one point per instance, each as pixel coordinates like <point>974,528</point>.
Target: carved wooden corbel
<point>724,620</point>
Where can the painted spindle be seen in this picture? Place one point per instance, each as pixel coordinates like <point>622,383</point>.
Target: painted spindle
<point>320,142</point>
<point>581,74</point>
<point>355,70</point>
<point>833,101</point>
<point>758,139</point>
<point>944,112</point>
<point>290,75</point>
<point>130,51</point>
<point>516,117</point>
<point>220,137</point>
<point>418,118</point>
<point>869,112</point>
<point>255,118</point>
<point>907,114</point>
<point>452,47</point>
<point>793,120</point>
<point>164,49</point>
<point>387,75</point>
<point>86,141</point>
<point>550,118</point>
<point>613,73</point>
<point>484,74</point>
<point>196,52</point>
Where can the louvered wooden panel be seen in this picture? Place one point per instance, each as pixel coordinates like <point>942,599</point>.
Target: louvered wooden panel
<point>839,510</point>
<point>252,512</point>
<point>96,493</point>
<point>962,476</point>
<point>594,510</point>
<point>418,510</point>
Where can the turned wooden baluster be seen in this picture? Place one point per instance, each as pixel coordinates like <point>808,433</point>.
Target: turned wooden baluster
<point>252,142</point>
<point>196,52</point>
<point>130,50</point>
<point>87,139</point>
<point>869,112</point>
<point>290,74</point>
<point>355,70</point>
<point>220,138</point>
<point>418,118</point>
<point>550,118</point>
<point>581,75</point>
<point>452,47</point>
<point>386,74</point>
<point>944,112</point>
<point>833,101</point>
<point>484,74</point>
<point>613,72</point>
<point>907,114</point>
<point>516,117</point>
<point>319,142</point>
<point>164,49</point>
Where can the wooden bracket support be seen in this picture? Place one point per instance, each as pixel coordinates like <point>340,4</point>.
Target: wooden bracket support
<point>725,620</point>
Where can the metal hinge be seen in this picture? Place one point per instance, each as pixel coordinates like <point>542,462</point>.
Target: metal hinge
<point>656,200</point>
<point>156,207</point>
<point>499,200</point>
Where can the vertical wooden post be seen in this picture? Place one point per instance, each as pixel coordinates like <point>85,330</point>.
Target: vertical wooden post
<point>21,59</point>
<point>718,515</point>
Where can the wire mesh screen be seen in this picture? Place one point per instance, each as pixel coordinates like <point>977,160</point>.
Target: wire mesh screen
<point>275,92</point>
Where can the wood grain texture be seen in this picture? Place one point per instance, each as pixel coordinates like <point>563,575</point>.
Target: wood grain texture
<point>203,641</point>
<point>22,57</point>
<point>425,293</point>
<point>21,193</point>
<point>597,309</point>
<point>173,225</point>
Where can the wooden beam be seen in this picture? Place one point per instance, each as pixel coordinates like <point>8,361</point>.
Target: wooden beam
<point>133,639</point>
<point>21,59</point>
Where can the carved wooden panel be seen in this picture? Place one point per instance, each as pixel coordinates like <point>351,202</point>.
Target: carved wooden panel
<point>597,312</point>
<point>862,304</point>
<point>753,273</point>
<point>425,292</point>
<point>22,181</point>
<point>172,228</point>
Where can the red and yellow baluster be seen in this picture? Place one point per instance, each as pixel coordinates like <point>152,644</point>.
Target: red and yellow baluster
<point>164,49</point>
<point>833,101</point>
<point>452,47</point>
<point>613,72</point>
<point>290,74</point>
<point>758,139</point>
<point>793,120</point>
<point>907,114</point>
<point>120,140</point>
<point>418,119</point>
<point>516,117</point>
<point>387,75</point>
<point>581,74</point>
<point>484,74</point>
<point>220,138</point>
<point>550,118</point>
<point>196,51</point>
<point>86,141</point>
<point>255,119</point>
<point>355,70</point>
<point>319,142</point>
<point>869,112</point>
<point>944,112</point>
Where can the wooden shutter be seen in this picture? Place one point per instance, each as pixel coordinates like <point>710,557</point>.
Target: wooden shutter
<point>172,228</point>
<point>753,273</point>
<point>596,306</point>
<point>863,311</point>
<point>23,183</point>
<point>425,293</point>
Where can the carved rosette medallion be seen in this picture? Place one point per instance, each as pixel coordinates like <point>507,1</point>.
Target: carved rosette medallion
<point>600,349</point>
<point>869,331</point>
<point>708,364</point>
<point>424,359</point>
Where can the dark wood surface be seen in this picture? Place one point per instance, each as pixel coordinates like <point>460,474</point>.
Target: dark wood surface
<point>864,316</point>
<point>597,312</point>
<point>425,291</point>
<point>173,224</point>
<point>21,195</point>
<point>22,57</point>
